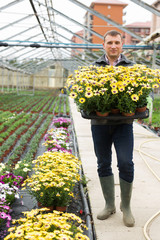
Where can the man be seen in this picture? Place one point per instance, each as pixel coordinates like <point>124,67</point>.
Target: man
<point>120,133</point>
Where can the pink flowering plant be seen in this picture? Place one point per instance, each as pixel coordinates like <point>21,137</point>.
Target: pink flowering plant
<point>57,140</point>
<point>9,191</point>
<point>12,179</point>
<point>7,197</point>
<point>61,122</point>
<point>5,213</point>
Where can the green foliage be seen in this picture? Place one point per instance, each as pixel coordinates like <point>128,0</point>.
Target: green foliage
<point>155,113</point>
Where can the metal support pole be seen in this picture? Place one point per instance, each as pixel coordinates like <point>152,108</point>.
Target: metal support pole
<point>3,79</point>
<point>8,76</point>
<point>17,83</point>
<point>154,57</point>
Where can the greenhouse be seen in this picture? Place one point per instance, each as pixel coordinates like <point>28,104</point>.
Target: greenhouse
<point>51,95</point>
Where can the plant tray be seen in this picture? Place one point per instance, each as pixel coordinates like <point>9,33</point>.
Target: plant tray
<point>111,116</point>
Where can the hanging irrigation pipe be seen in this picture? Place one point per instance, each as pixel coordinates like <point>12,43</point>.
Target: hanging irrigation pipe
<point>90,230</point>
<point>158,178</point>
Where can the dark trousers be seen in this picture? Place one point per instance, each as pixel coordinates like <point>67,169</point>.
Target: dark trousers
<point>122,138</point>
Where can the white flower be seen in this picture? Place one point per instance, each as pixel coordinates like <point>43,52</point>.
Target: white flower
<point>2,166</point>
<point>26,169</point>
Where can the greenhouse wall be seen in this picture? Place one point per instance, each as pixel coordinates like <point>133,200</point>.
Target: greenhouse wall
<point>51,77</point>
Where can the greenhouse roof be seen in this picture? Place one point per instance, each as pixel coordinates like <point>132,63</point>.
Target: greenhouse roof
<point>36,33</point>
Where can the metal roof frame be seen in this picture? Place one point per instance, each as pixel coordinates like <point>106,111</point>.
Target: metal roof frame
<point>44,32</point>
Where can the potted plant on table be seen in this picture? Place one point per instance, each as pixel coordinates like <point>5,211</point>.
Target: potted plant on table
<point>55,174</point>
<point>57,139</point>
<point>61,122</point>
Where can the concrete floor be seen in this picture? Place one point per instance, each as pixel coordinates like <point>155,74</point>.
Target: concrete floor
<point>146,189</point>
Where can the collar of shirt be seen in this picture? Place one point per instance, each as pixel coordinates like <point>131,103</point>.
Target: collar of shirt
<point>115,62</point>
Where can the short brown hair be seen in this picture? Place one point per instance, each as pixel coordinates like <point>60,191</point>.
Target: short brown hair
<point>112,33</point>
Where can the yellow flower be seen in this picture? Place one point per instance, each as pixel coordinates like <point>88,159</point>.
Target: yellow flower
<point>155,85</point>
<point>114,91</point>
<point>96,92</point>
<point>19,233</point>
<point>73,95</point>
<point>75,86</point>
<point>113,85</point>
<point>88,89</point>
<point>82,100</point>
<point>80,89</point>
<point>134,97</point>
<point>89,94</point>
<point>121,89</point>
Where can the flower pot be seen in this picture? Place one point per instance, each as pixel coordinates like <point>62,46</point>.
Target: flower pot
<point>128,114</point>
<point>102,114</point>
<point>61,208</point>
<point>115,110</point>
<point>50,208</point>
<point>141,109</point>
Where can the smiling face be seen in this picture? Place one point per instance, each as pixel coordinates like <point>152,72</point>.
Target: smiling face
<point>113,46</point>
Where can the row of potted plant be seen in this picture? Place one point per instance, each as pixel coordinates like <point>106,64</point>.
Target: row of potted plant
<point>36,104</point>
<point>104,88</point>
<point>50,105</point>
<point>17,103</point>
<point>12,123</point>
<point>14,175</point>
<point>13,136</point>
<point>39,106</point>
<point>5,116</point>
<point>62,106</point>
<point>55,174</point>
<point>23,143</point>
<point>19,162</point>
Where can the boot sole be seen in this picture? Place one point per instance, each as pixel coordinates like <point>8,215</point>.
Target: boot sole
<point>103,218</point>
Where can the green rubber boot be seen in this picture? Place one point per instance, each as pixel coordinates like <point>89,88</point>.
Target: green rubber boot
<point>126,192</point>
<point>107,185</point>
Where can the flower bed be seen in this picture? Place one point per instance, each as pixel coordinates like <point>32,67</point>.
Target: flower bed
<point>41,225</point>
<point>105,88</point>
<point>57,173</point>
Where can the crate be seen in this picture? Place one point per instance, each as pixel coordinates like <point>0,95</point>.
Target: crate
<point>111,116</point>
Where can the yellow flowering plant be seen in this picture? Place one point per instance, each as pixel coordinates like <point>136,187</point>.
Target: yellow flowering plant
<point>103,88</point>
<point>55,174</point>
<point>37,224</point>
